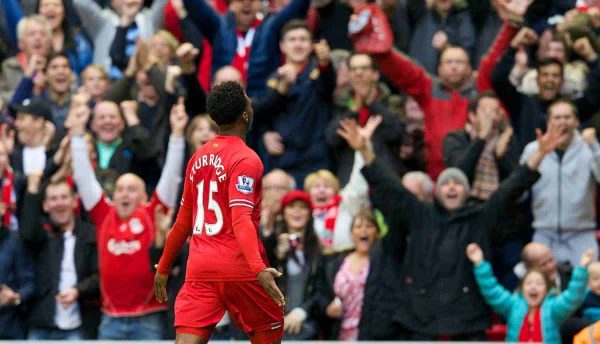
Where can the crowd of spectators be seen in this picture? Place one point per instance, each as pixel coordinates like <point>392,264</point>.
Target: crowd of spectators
<point>431,166</point>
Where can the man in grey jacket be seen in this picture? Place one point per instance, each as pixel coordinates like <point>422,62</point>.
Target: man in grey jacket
<point>563,198</point>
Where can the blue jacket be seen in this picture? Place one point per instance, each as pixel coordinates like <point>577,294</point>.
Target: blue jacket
<point>514,308</point>
<point>265,56</point>
<point>302,123</point>
<point>17,272</point>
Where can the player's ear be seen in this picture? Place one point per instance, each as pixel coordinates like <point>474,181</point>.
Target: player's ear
<point>245,116</point>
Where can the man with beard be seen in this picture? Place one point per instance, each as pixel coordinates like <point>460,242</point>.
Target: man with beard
<point>529,112</point>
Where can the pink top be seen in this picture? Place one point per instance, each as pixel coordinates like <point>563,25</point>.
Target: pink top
<point>350,288</point>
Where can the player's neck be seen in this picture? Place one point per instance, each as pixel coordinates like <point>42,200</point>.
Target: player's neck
<point>233,130</point>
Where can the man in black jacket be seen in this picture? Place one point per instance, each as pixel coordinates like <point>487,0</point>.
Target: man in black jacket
<point>485,150</point>
<point>434,292</point>
<point>529,112</point>
<point>66,304</point>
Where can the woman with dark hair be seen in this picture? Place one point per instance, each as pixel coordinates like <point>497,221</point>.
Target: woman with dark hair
<point>65,37</point>
<point>295,253</point>
<point>341,280</point>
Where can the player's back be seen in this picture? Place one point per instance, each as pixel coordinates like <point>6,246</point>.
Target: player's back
<point>223,173</point>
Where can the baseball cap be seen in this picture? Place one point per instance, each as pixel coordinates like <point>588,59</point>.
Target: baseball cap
<point>296,195</point>
<point>35,106</point>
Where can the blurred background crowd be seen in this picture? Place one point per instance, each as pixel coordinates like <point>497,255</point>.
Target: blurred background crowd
<point>394,134</point>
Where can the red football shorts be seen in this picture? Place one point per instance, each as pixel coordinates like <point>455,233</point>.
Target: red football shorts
<point>201,305</point>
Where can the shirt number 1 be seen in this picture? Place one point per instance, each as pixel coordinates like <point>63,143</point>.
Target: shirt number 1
<point>211,228</point>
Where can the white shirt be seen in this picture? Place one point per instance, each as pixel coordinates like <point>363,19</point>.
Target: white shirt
<point>34,159</point>
<point>67,318</point>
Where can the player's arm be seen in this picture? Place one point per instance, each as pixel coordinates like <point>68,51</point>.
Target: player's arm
<point>242,200</point>
<point>175,239</point>
<point>247,238</point>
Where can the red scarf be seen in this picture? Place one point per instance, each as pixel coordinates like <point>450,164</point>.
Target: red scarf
<point>8,196</point>
<point>531,332</point>
<point>330,211</point>
<point>242,53</point>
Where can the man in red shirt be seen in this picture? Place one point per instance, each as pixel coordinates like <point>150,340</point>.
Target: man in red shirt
<point>220,208</point>
<point>125,231</point>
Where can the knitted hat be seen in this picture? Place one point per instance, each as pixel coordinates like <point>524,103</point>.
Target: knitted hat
<point>296,195</point>
<point>453,173</point>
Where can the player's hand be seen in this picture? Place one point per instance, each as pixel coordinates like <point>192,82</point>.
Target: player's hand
<point>160,287</point>
<point>267,280</point>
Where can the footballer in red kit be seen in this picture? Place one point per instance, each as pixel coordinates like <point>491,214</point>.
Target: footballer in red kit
<point>227,265</point>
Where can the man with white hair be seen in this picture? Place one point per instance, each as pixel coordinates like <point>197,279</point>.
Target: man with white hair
<point>34,36</point>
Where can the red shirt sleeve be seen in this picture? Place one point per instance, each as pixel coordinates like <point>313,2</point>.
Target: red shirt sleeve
<point>247,237</point>
<point>99,212</point>
<point>244,196</point>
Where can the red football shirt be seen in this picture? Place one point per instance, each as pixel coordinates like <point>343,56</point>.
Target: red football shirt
<point>222,174</point>
<point>126,278</point>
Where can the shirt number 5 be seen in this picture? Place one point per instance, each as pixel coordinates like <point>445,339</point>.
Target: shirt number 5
<point>211,228</point>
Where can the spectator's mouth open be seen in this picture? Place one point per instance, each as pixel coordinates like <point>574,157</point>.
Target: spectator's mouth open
<point>533,298</point>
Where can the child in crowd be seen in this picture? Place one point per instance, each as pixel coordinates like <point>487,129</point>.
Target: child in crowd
<point>200,131</point>
<point>591,301</point>
<point>534,312</point>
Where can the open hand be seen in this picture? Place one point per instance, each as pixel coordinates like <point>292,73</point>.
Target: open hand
<point>267,280</point>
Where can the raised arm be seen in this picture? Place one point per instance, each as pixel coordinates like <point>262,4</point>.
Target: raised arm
<point>31,230</point>
<point>493,293</point>
<point>524,176</point>
<point>569,300</point>
<point>12,13</point>
<point>295,9</point>
<point>461,153</point>
<point>155,13</point>
<point>490,60</point>
<point>387,192</point>
<point>590,137</point>
<point>207,19</point>
<point>168,184</point>
<point>88,187</point>
<point>406,75</point>
<point>92,16</point>
<point>590,102</point>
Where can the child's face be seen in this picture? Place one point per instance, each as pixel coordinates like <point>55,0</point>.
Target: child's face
<point>321,192</point>
<point>202,133</point>
<point>594,282</point>
<point>534,289</point>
